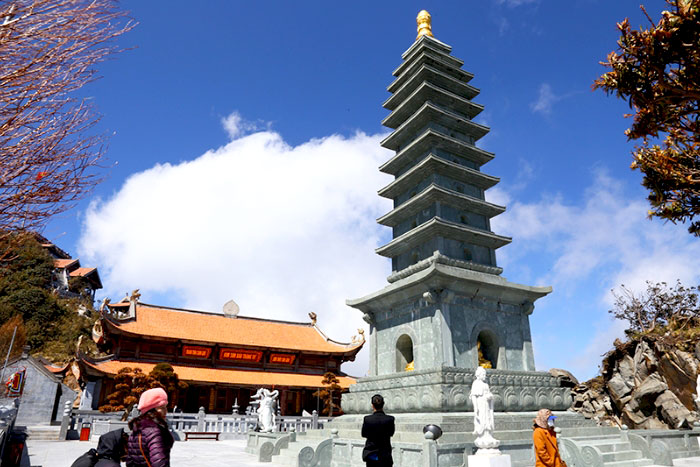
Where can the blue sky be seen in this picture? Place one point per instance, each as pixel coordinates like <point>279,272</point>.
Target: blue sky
<point>244,160</point>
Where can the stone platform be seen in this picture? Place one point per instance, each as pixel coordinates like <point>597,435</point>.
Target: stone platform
<point>582,442</point>
<point>446,389</point>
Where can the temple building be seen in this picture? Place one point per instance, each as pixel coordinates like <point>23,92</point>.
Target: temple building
<point>224,358</point>
<point>69,278</point>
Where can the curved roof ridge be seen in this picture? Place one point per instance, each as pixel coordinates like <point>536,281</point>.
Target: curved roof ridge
<point>351,345</point>
<point>161,322</point>
<point>216,314</point>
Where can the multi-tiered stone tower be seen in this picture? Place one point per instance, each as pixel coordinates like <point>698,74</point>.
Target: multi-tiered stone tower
<point>446,309</point>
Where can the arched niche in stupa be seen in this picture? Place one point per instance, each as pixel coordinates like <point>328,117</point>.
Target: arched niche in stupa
<point>487,346</point>
<point>404,353</point>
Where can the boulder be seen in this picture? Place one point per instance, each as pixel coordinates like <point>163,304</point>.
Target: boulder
<point>566,379</point>
<point>650,388</point>
<point>647,383</point>
<point>679,369</point>
<point>619,390</point>
<point>645,362</point>
<point>625,368</point>
<point>672,411</point>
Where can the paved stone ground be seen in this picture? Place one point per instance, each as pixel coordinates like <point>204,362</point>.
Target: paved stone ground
<point>197,453</point>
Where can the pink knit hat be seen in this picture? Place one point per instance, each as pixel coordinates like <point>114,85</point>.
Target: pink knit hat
<point>151,399</point>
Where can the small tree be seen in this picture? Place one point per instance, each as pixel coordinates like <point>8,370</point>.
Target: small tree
<point>122,396</point>
<point>329,393</point>
<point>657,70</point>
<point>658,306</point>
<point>163,376</point>
<point>130,383</point>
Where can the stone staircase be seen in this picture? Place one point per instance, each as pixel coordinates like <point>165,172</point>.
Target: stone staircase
<point>607,448</point>
<point>582,443</point>
<point>40,432</point>
<point>310,439</point>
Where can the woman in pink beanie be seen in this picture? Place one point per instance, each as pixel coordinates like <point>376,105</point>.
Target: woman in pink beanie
<point>150,440</point>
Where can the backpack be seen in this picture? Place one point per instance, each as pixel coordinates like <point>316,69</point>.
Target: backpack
<point>89,459</point>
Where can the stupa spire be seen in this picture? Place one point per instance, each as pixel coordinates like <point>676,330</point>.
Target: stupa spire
<point>425,27</point>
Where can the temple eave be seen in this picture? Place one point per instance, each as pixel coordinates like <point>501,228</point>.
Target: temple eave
<point>402,108</point>
<point>405,85</point>
<point>433,114</point>
<point>436,43</point>
<point>432,138</point>
<point>434,193</point>
<point>425,51</point>
<point>440,227</point>
<point>439,276</point>
<point>440,166</point>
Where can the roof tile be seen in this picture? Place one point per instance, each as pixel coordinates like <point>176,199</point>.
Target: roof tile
<point>240,331</point>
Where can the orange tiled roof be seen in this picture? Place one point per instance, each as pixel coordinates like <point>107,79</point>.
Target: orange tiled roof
<point>82,271</point>
<point>225,376</point>
<point>55,369</point>
<point>241,331</point>
<point>64,263</point>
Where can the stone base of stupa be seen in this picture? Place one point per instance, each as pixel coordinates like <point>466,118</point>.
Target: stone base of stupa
<point>445,390</point>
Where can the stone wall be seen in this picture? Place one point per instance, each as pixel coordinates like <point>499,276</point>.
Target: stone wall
<point>443,330</point>
<point>43,393</point>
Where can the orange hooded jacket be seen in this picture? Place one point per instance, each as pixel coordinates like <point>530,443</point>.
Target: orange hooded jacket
<point>546,449</point>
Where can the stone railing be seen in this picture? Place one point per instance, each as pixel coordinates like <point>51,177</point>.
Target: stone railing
<point>8,415</point>
<point>230,426</point>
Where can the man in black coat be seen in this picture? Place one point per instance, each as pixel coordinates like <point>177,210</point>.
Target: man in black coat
<point>378,428</point>
<point>110,450</point>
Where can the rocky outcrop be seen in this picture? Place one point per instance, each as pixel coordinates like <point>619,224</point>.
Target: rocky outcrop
<point>644,384</point>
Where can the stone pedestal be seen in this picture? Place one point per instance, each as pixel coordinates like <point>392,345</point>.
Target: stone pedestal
<point>489,459</point>
<point>446,390</point>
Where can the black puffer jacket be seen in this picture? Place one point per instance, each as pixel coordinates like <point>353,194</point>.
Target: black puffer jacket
<point>155,439</point>
<point>111,448</point>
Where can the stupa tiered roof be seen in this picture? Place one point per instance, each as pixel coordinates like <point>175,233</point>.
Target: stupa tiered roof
<point>438,190</point>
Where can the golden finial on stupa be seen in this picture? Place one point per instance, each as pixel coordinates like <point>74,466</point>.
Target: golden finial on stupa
<point>424,26</point>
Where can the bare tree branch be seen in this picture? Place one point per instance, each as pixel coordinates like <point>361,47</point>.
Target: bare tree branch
<point>48,155</point>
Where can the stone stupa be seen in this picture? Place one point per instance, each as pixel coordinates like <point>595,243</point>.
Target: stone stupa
<point>447,309</point>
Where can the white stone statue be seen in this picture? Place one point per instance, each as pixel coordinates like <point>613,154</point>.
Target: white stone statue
<point>697,392</point>
<point>266,409</point>
<point>482,400</point>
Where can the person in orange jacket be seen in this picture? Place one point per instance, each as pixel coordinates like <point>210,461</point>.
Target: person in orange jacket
<point>545,440</point>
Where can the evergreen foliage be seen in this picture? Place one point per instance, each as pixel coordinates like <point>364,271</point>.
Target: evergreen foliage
<point>329,394</point>
<point>130,383</point>
<point>657,70</point>
<point>52,323</point>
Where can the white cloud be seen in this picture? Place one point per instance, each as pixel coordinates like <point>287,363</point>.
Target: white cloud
<point>515,3</point>
<point>287,230</point>
<point>545,100</point>
<point>236,126</point>
<point>503,25</point>
<point>282,230</point>
<point>585,250</point>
